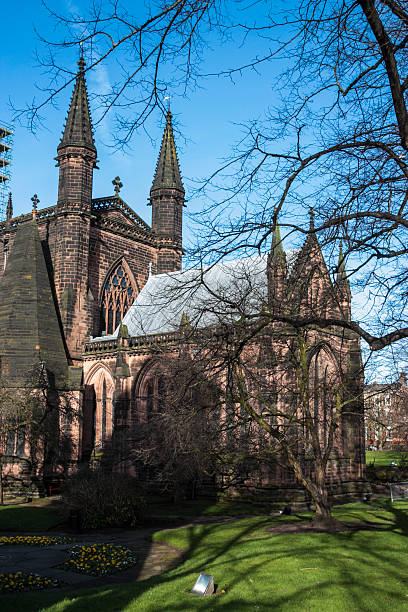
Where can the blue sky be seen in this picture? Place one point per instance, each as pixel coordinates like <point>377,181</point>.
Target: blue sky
<point>207,121</point>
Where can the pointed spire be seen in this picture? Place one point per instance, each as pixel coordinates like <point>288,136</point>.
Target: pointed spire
<point>277,249</point>
<point>341,268</point>
<point>9,210</point>
<point>167,171</point>
<point>311,219</point>
<point>78,127</point>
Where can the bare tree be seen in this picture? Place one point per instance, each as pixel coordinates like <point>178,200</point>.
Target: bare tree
<point>179,444</point>
<point>35,428</point>
<point>270,402</point>
<point>287,398</point>
<point>337,141</point>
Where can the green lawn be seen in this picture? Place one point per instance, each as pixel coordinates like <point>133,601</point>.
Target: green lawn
<point>383,458</point>
<point>208,507</point>
<point>28,518</point>
<point>344,572</point>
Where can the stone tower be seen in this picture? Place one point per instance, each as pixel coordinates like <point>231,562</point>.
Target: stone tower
<point>76,160</point>
<point>167,200</point>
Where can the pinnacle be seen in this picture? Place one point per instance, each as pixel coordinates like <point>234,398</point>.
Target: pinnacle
<point>277,249</point>
<point>167,173</point>
<point>311,219</point>
<point>341,268</point>
<point>78,126</point>
<point>81,63</point>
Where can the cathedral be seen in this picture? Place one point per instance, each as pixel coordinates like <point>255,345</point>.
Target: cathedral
<point>90,292</point>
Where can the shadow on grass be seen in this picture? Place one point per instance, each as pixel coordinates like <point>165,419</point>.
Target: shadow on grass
<point>26,518</point>
<point>357,570</point>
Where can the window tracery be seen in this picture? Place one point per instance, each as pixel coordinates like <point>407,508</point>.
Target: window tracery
<point>117,297</point>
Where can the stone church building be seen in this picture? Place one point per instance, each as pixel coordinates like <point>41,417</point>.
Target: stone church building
<point>88,294</point>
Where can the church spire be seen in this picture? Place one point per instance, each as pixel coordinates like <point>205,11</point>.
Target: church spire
<point>167,173</point>
<point>341,269</point>
<point>277,251</point>
<point>277,272</point>
<point>167,201</point>
<point>78,127</point>
<point>343,287</point>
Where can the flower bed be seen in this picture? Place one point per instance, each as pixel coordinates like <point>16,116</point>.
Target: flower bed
<point>35,540</point>
<point>99,559</point>
<point>20,581</point>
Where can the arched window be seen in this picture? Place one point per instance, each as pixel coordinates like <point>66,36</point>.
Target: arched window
<point>155,390</point>
<point>324,383</point>
<point>117,297</point>
<point>97,410</point>
<point>149,400</point>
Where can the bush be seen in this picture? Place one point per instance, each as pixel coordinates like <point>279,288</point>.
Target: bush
<point>104,499</point>
<point>403,461</point>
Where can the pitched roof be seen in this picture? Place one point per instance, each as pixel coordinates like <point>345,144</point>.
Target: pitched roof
<point>200,296</point>
<point>78,127</point>
<point>29,327</point>
<point>167,170</point>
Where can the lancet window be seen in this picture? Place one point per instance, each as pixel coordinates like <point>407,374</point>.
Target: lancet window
<point>117,297</point>
<point>325,382</point>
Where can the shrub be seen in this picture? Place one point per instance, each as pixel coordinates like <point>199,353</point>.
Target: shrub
<point>104,499</point>
<point>403,461</point>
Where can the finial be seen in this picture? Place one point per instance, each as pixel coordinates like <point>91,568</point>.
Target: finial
<point>35,201</point>
<point>341,266</point>
<point>311,222</point>
<point>150,268</point>
<point>118,186</point>
<point>81,63</point>
<point>9,211</point>
<point>168,98</point>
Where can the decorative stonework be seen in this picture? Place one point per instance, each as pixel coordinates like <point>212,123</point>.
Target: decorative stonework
<point>118,295</point>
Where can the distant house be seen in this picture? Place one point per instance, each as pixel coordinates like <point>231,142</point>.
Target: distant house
<point>386,414</point>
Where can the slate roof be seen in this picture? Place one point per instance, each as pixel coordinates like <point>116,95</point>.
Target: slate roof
<point>200,296</point>
<point>78,126</point>
<point>167,170</point>
<point>29,327</point>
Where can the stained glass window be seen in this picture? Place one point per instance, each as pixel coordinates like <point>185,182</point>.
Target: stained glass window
<point>118,295</point>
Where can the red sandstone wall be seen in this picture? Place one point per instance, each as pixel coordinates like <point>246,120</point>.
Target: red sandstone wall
<point>105,249</point>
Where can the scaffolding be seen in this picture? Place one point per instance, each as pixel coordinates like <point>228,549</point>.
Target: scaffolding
<point>6,147</point>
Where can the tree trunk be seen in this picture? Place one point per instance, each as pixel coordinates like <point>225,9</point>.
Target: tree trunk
<point>323,517</point>
<point>317,488</point>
